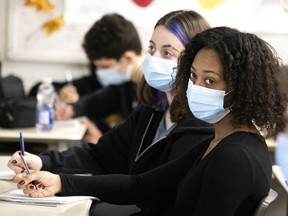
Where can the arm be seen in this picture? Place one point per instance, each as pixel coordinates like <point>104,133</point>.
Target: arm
<point>99,103</point>
<point>114,188</point>
<point>110,155</point>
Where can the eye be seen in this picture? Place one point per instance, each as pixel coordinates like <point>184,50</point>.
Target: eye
<point>151,49</point>
<point>209,81</point>
<point>167,54</point>
<point>192,77</point>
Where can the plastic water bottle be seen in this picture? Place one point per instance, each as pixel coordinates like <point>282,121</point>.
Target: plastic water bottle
<point>45,105</point>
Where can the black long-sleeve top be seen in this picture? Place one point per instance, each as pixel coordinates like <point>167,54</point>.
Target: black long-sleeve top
<point>128,149</point>
<point>230,180</point>
<point>113,99</point>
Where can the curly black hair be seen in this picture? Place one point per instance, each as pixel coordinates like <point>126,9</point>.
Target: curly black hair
<point>110,37</point>
<point>251,68</point>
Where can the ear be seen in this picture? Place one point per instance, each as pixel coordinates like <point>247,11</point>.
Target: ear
<point>129,56</point>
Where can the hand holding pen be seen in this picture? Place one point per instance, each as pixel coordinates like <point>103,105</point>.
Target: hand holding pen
<point>33,161</point>
<point>69,92</point>
<point>38,183</point>
<point>21,154</point>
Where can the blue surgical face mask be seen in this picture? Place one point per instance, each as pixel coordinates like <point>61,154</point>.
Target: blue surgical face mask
<point>159,73</point>
<point>111,76</point>
<point>206,104</point>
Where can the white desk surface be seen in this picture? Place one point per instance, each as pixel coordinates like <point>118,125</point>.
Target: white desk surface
<point>62,130</point>
<point>63,134</point>
<point>80,208</point>
<point>14,209</point>
<point>3,163</point>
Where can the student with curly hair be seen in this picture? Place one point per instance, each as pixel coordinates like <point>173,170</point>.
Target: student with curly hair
<point>148,137</point>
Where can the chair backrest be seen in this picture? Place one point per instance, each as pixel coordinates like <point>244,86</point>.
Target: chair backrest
<point>265,202</point>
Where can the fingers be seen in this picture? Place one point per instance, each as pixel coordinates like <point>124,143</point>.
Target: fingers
<point>64,112</point>
<point>34,190</point>
<point>39,183</point>
<point>21,180</point>
<point>91,139</point>
<point>15,163</point>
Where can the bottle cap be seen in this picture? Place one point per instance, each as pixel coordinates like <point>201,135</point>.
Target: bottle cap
<point>47,79</point>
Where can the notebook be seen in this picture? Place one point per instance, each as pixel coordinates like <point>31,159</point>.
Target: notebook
<point>17,196</point>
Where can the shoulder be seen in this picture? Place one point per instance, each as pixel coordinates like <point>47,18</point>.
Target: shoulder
<point>195,126</point>
<point>243,149</point>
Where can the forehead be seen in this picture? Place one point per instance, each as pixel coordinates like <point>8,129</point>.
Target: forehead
<point>161,36</point>
<point>105,62</point>
<point>208,60</point>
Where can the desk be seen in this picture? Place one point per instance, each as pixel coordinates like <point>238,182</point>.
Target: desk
<point>14,209</point>
<point>63,134</point>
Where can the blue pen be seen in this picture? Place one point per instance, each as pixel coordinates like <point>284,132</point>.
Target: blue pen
<point>25,164</point>
<point>22,144</point>
<point>21,154</point>
<point>27,169</point>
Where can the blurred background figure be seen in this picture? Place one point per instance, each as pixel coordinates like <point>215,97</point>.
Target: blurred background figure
<point>281,150</point>
<point>108,94</point>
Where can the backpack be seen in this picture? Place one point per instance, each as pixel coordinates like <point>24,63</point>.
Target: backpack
<point>16,110</point>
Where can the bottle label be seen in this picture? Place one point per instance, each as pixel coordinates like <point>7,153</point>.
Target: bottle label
<point>45,117</point>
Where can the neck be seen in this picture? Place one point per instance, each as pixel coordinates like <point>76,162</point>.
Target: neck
<point>224,128</point>
<point>168,121</point>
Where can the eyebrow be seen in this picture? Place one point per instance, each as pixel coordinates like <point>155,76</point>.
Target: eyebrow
<point>206,71</point>
<point>166,46</point>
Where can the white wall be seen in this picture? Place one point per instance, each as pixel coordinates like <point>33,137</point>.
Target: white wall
<point>32,71</point>
<point>2,27</point>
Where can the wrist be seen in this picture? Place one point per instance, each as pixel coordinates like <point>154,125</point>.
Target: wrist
<point>58,184</point>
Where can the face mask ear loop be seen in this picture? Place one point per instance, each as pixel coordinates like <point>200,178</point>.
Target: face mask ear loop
<point>230,107</point>
<point>172,79</point>
<point>228,92</point>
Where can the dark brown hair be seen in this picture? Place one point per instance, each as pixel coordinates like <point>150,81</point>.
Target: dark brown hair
<point>110,37</point>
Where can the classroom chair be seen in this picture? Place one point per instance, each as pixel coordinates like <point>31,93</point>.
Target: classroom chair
<point>265,202</point>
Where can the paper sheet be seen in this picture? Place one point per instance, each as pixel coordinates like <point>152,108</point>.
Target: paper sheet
<point>19,197</point>
<point>7,175</point>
